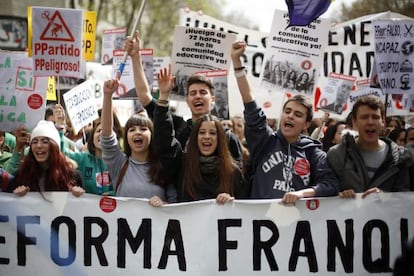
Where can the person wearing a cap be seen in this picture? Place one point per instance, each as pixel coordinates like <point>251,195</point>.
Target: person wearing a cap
<point>45,168</point>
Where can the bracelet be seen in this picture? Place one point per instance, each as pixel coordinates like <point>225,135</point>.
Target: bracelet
<point>163,103</point>
<point>239,68</point>
<point>239,74</point>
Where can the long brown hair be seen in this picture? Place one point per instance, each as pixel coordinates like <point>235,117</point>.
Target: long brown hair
<point>192,172</point>
<point>60,173</point>
<point>155,167</point>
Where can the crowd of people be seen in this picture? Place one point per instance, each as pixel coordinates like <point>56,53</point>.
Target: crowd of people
<point>160,156</point>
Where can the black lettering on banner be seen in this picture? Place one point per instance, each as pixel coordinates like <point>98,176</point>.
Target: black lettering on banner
<point>404,235</point>
<point>381,264</point>
<point>349,32</point>
<point>223,243</point>
<point>257,66</point>
<point>22,239</point>
<point>365,34</point>
<point>331,41</point>
<point>334,56</point>
<point>303,232</point>
<point>54,241</point>
<point>266,246</point>
<point>173,233</point>
<point>97,241</point>
<point>3,241</point>
<point>143,235</point>
<point>335,62</point>
<point>355,65</point>
<point>335,241</point>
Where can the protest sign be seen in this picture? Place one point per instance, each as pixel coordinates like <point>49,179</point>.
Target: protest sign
<point>112,39</point>
<point>294,56</point>
<point>57,42</point>
<point>80,105</point>
<point>221,103</point>
<point>334,96</point>
<point>349,51</point>
<point>196,49</point>
<point>126,88</point>
<point>22,96</point>
<point>113,236</point>
<point>89,32</point>
<point>394,55</point>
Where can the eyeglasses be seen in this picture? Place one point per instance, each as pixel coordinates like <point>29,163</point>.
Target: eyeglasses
<point>42,141</point>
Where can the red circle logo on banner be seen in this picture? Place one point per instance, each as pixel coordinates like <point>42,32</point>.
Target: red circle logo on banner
<point>302,166</point>
<point>35,101</point>
<point>312,204</point>
<point>107,204</point>
<point>306,64</point>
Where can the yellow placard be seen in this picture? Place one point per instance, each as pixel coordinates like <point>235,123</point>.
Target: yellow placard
<point>29,30</point>
<point>88,36</point>
<point>51,89</point>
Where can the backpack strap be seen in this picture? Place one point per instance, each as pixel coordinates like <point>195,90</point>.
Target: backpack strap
<point>121,175</point>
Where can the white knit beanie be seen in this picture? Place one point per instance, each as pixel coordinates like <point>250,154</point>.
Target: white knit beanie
<point>46,129</point>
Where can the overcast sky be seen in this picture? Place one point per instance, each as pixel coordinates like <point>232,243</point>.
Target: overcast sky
<point>260,12</point>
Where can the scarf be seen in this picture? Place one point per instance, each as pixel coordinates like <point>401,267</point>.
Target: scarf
<point>209,164</point>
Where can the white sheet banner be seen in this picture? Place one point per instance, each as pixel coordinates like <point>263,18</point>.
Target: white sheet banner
<point>350,51</point>
<point>90,235</point>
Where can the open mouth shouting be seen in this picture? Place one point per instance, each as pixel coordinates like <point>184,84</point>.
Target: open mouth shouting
<point>41,155</point>
<point>138,142</point>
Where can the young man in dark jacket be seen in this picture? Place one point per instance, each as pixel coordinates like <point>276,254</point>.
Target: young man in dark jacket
<point>369,163</point>
<point>286,164</point>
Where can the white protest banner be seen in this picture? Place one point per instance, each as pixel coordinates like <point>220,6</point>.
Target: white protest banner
<point>196,49</point>
<point>394,55</point>
<point>112,39</point>
<point>91,235</point>
<point>253,58</point>
<point>334,96</point>
<point>253,38</point>
<point>350,51</point>
<point>80,105</point>
<point>294,56</point>
<point>126,88</point>
<point>351,48</point>
<point>57,42</point>
<point>22,96</point>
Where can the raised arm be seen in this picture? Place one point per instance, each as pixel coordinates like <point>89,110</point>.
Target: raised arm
<point>237,50</point>
<point>164,135</point>
<point>106,117</point>
<point>132,46</point>
<point>165,82</point>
